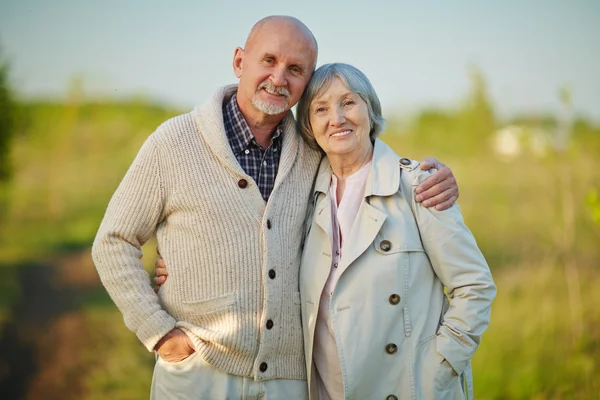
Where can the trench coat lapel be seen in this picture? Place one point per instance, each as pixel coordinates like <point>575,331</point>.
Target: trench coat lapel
<point>322,218</point>
<point>322,214</point>
<point>383,180</point>
<point>364,230</point>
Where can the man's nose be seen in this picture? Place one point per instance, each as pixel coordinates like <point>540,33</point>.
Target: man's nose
<point>278,77</point>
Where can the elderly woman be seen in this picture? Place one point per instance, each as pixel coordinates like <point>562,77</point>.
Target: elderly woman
<point>377,322</point>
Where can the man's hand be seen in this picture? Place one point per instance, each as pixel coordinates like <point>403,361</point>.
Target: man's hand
<point>174,346</point>
<point>440,189</point>
<point>160,272</point>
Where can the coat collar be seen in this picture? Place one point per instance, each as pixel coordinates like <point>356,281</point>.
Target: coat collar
<point>383,179</point>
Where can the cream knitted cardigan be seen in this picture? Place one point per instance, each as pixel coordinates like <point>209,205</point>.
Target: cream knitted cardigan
<point>233,260</point>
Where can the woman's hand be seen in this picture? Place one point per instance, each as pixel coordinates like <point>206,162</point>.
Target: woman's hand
<point>440,189</point>
<point>174,346</point>
<point>160,272</point>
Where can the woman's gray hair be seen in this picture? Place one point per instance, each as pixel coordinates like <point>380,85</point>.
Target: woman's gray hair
<point>355,81</point>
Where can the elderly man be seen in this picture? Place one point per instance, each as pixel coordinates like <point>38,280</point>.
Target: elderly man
<point>225,188</point>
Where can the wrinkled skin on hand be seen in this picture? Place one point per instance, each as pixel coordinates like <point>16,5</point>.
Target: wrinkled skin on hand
<point>175,346</point>
<point>440,189</point>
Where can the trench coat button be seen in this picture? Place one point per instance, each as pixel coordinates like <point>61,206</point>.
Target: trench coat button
<point>385,245</point>
<point>269,324</point>
<point>242,183</point>
<point>272,274</point>
<point>404,161</point>
<point>394,299</point>
<point>335,265</point>
<point>391,397</point>
<point>268,224</point>
<point>263,367</point>
<point>391,348</point>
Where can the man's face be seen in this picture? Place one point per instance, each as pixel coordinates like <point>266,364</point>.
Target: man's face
<point>274,69</point>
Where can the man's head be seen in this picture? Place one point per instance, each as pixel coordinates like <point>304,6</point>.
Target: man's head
<point>274,66</point>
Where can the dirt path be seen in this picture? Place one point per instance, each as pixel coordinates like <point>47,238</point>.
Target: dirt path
<point>41,345</point>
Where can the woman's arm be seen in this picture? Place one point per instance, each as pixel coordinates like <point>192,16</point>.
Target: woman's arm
<point>462,268</point>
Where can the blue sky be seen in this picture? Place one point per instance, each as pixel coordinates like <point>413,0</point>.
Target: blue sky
<point>416,53</point>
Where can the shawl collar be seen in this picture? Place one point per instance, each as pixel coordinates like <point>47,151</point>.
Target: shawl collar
<point>209,122</point>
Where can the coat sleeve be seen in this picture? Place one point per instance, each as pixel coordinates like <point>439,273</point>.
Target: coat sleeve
<point>462,269</point>
<point>131,218</point>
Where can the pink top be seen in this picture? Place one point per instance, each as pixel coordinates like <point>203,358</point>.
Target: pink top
<point>325,355</point>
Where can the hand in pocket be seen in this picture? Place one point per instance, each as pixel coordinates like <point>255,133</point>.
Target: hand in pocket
<point>175,346</point>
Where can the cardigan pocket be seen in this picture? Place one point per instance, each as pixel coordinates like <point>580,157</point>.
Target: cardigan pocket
<point>207,306</point>
<point>215,314</point>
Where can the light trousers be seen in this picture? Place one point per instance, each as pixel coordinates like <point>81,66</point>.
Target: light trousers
<point>195,379</point>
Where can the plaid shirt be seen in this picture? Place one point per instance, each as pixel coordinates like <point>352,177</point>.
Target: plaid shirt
<point>261,164</point>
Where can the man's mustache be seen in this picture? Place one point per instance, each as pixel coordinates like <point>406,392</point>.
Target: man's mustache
<point>280,90</point>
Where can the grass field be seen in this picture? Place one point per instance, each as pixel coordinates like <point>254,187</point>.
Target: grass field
<point>530,212</point>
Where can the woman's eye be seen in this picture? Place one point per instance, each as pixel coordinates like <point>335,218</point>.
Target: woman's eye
<point>349,103</point>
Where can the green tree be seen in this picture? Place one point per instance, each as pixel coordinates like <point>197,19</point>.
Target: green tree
<point>477,121</point>
<point>6,120</point>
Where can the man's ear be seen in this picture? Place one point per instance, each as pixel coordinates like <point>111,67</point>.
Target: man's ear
<point>238,56</point>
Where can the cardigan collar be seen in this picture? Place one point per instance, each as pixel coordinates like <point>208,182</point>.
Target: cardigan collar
<point>209,122</point>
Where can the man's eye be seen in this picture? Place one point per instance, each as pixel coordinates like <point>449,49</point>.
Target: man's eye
<point>296,70</point>
<point>269,60</point>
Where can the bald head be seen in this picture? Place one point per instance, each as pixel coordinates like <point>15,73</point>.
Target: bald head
<point>274,67</point>
<point>282,23</point>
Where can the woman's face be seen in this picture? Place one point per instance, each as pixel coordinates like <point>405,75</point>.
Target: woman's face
<point>340,121</point>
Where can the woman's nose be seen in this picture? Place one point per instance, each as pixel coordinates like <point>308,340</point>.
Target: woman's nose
<point>338,117</point>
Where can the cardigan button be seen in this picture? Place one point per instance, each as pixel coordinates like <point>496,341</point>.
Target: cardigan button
<point>263,367</point>
<point>391,348</point>
<point>268,224</point>
<point>272,274</point>
<point>269,324</point>
<point>385,245</point>
<point>391,397</point>
<point>394,299</point>
<point>242,183</point>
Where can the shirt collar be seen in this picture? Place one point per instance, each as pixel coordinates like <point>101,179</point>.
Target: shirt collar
<point>238,132</point>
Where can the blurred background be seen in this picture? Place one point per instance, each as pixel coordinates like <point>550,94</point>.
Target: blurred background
<point>505,93</point>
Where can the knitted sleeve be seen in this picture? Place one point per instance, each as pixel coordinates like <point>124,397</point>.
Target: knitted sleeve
<point>131,218</point>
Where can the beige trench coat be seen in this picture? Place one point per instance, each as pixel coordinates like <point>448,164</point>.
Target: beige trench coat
<point>398,335</point>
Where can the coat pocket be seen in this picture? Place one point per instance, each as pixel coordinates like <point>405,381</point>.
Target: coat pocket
<point>435,374</point>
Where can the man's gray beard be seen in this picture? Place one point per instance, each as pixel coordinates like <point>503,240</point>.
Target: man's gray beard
<point>269,108</point>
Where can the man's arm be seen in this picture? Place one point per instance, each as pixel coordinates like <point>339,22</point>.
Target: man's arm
<point>130,220</point>
<point>440,189</point>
